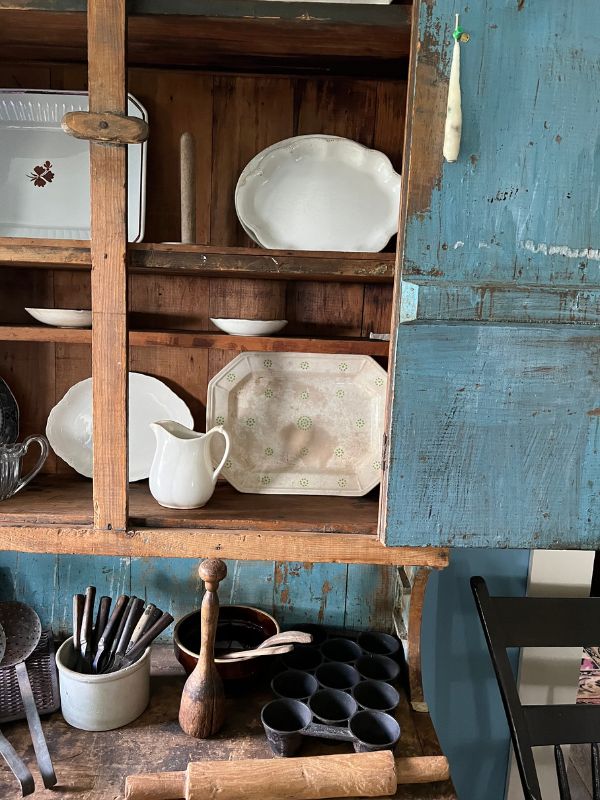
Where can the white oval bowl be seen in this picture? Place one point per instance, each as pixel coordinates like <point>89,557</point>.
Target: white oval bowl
<point>319,193</point>
<point>69,426</point>
<point>62,317</point>
<point>249,327</point>
<point>102,702</point>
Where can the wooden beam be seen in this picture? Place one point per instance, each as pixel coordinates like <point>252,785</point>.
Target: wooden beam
<point>207,261</point>
<point>107,23</point>
<point>254,545</point>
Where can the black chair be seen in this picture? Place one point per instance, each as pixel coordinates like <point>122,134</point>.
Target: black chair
<point>541,622</point>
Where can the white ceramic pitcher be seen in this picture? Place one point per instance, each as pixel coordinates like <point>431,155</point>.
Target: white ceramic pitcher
<point>182,474</point>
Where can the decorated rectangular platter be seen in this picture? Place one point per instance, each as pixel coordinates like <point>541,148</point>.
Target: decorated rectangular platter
<point>300,423</point>
<point>45,173</point>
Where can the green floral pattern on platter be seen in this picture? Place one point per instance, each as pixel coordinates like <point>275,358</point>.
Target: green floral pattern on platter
<point>312,419</point>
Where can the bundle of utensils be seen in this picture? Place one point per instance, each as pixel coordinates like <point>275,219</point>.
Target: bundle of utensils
<point>119,637</point>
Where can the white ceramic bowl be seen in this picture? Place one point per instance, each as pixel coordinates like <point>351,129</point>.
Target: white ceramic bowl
<point>102,702</point>
<point>249,327</point>
<point>62,317</point>
<point>70,425</point>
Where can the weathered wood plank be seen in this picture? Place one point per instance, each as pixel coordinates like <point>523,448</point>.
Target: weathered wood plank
<point>94,765</point>
<point>524,202</point>
<point>447,300</point>
<point>107,25</point>
<point>237,32</point>
<point>207,261</point>
<point>200,340</point>
<point>501,423</point>
<point>254,545</point>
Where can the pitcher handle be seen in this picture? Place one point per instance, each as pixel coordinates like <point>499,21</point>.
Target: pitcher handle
<point>220,429</point>
<point>45,448</point>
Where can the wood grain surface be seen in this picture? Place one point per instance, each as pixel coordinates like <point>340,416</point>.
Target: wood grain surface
<point>107,93</point>
<point>94,765</point>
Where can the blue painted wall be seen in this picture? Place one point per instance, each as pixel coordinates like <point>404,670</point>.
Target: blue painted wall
<point>458,679</point>
<point>337,595</point>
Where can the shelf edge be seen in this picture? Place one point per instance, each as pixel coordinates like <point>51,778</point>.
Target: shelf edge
<point>229,544</point>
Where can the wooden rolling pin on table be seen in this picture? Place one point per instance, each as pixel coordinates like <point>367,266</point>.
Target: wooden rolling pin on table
<point>312,778</point>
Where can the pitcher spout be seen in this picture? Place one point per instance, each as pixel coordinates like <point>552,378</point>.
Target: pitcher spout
<point>169,429</point>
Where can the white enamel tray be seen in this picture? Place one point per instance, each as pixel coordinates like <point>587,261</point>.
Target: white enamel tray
<point>69,426</point>
<point>45,173</point>
<point>319,193</point>
<point>300,423</point>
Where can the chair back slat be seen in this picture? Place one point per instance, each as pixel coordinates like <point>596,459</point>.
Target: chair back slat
<point>547,621</point>
<point>562,724</point>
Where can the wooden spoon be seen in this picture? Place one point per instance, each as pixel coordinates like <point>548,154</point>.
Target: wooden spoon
<point>243,655</point>
<point>287,637</point>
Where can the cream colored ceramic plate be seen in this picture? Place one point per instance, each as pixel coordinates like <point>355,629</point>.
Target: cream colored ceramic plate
<point>249,327</point>
<point>46,173</point>
<point>300,423</point>
<point>69,427</point>
<point>319,193</point>
<point>62,317</point>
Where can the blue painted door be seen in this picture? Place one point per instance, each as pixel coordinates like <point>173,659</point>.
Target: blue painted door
<point>496,408</point>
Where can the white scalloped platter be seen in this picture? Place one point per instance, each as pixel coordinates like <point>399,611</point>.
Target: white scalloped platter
<point>319,193</point>
<point>70,430</point>
<point>300,423</point>
<point>45,173</point>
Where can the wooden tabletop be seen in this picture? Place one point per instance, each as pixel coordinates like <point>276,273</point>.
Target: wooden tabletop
<point>93,766</point>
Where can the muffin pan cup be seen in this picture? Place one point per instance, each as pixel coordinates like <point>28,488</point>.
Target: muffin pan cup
<point>338,690</point>
<point>287,721</point>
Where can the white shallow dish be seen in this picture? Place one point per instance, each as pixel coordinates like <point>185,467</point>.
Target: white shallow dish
<point>302,423</point>
<point>62,317</point>
<point>69,426</point>
<point>46,173</point>
<point>319,193</point>
<point>249,327</point>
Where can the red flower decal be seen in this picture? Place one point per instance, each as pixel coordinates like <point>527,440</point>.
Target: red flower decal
<point>41,175</point>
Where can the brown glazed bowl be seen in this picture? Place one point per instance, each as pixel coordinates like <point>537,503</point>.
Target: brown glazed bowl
<point>244,624</point>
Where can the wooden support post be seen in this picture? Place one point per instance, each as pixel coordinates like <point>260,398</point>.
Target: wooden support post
<point>107,21</point>
<point>415,618</point>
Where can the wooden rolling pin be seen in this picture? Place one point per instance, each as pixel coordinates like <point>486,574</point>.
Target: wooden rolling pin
<point>312,778</point>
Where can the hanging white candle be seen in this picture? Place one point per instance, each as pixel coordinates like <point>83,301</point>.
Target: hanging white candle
<point>453,129</point>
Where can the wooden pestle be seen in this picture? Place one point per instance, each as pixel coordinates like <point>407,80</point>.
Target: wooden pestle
<point>202,708</point>
<point>310,778</point>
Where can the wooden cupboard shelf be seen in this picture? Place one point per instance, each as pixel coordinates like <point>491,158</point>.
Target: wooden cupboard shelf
<point>219,33</point>
<point>204,340</point>
<point>94,765</point>
<point>54,515</point>
<point>207,261</point>
<point>254,262</point>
